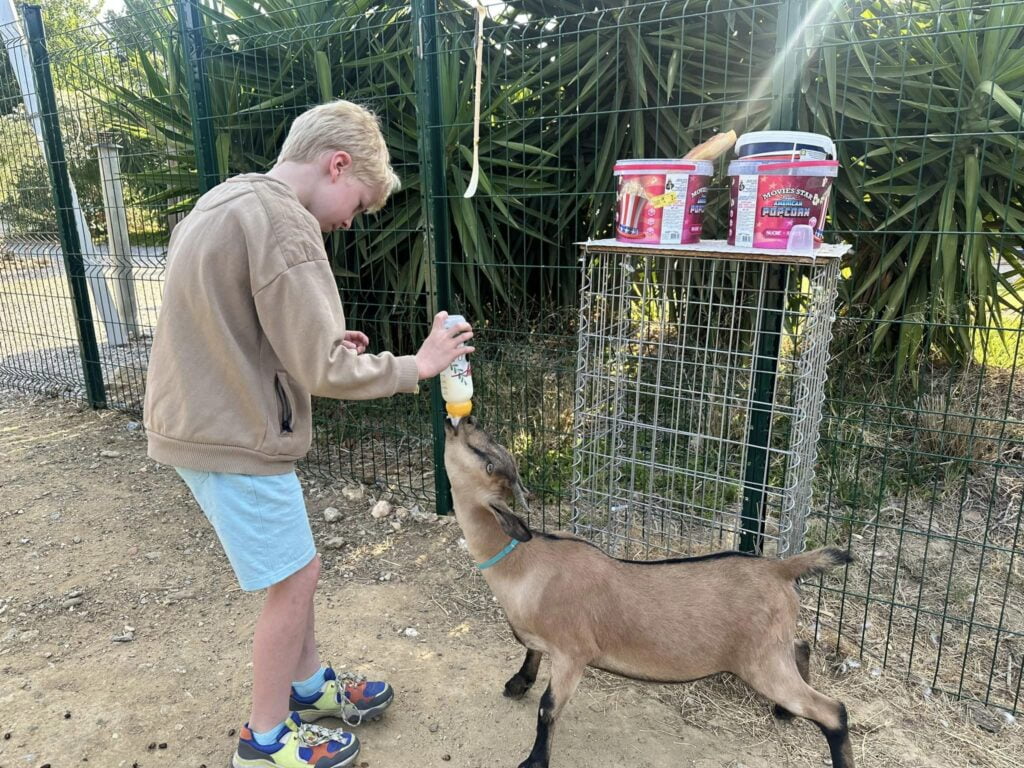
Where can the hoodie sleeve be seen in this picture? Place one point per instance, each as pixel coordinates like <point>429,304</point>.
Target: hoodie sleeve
<point>301,315</point>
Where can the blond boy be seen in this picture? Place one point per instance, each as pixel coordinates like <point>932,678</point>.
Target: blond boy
<point>251,326</point>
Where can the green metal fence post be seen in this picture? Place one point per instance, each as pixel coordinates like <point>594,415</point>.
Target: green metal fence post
<point>435,204</point>
<point>193,45</point>
<point>765,367</point>
<point>70,243</point>
<point>786,89</point>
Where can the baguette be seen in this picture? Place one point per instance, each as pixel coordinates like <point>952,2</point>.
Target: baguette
<point>713,148</point>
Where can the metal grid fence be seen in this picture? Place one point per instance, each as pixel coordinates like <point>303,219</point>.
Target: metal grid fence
<point>923,437</point>
<point>699,391</point>
<point>922,470</point>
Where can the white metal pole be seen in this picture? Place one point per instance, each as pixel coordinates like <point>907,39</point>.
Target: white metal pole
<point>117,232</point>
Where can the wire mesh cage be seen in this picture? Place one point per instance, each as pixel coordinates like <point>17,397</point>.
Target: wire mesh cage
<point>699,392</point>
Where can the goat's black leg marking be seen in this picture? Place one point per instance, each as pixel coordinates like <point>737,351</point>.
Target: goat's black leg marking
<point>779,679</point>
<point>541,752</point>
<point>839,741</point>
<point>802,654</point>
<point>520,682</point>
<point>781,713</point>
<point>565,676</point>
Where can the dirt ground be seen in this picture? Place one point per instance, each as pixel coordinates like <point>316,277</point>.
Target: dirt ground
<point>125,641</point>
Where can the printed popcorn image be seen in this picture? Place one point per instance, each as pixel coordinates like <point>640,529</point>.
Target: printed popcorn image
<point>661,202</point>
<point>631,200</point>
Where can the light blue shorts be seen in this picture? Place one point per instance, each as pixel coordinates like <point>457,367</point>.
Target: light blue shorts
<point>261,522</point>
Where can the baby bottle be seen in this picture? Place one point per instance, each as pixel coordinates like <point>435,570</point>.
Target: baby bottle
<point>457,381</point>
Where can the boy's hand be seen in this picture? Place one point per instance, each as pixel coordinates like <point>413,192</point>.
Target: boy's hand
<point>356,340</point>
<point>442,346</point>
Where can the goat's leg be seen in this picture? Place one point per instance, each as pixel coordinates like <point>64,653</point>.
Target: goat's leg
<point>565,676</point>
<point>520,682</point>
<point>783,683</point>
<point>802,655</point>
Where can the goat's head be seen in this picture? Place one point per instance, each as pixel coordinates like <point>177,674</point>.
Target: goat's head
<point>482,471</point>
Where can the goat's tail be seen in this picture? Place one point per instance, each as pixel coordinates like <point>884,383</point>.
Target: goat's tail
<point>812,563</point>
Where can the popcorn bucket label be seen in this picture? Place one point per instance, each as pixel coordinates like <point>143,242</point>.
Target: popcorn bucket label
<point>763,209</point>
<point>660,208</point>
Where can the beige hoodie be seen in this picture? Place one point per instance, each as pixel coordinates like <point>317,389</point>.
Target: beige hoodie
<point>250,326</point>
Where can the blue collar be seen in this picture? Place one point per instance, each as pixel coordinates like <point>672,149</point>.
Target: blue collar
<point>498,557</point>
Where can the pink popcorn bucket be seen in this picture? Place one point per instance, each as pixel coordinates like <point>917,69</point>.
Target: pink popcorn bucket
<point>769,198</point>
<point>661,202</point>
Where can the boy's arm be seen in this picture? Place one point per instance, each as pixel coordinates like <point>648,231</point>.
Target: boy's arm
<point>301,315</point>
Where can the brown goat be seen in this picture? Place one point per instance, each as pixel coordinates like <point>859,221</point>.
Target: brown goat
<point>662,621</point>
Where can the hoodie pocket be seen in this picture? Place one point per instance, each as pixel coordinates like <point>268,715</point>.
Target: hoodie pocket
<point>284,401</point>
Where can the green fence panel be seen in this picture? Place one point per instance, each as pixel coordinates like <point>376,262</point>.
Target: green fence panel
<point>48,333</point>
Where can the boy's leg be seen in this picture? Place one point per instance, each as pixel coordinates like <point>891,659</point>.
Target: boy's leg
<point>309,660</point>
<point>286,615</point>
<point>262,523</point>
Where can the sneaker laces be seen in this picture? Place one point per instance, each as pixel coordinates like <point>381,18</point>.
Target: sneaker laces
<point>351,715</point>
<point>311,734</point>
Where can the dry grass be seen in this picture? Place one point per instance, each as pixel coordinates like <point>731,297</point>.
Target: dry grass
<point>935,522</point>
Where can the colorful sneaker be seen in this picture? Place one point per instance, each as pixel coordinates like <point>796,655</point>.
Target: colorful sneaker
<point>351,698</point>
<point>299,745</point>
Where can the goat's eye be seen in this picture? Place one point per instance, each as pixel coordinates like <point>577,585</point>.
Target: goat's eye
<point>490,468</point>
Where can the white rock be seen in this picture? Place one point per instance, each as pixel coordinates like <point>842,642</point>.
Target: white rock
<point>396,526</point>
<point>352,492</point>
<point>110,454</point>
<point>331,514</point>
<point>410,632</point>
<point>401,513</point>
<point>381,509</point>
<point>335,542</point>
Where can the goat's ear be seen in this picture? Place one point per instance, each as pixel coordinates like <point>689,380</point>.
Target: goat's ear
<point>510,522</point>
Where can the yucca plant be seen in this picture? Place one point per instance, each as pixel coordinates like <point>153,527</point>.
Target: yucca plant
<point>563,100</point>
<point>925,100</point>
<point>269,61</point>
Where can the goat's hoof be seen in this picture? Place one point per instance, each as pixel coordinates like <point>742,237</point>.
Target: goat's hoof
<point>516,688</point>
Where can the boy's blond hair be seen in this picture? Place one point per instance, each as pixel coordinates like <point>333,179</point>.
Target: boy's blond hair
<point>343,126</point>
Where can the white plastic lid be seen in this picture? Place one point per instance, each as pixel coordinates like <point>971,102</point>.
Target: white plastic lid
<point>745,167</point>
<point>787,138</point>
<point>776,167</point>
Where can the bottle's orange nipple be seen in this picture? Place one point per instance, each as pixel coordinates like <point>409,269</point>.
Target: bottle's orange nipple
<point>459,410</point>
